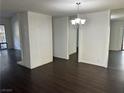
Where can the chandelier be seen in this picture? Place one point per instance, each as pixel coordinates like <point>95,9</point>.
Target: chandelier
<point>78,20</point>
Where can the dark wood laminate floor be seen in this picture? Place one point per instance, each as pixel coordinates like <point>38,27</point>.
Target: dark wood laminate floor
<point>60,76</point>
<point>116,60</point>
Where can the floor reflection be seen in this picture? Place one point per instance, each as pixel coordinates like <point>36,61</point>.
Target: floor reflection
<point>116,60</point>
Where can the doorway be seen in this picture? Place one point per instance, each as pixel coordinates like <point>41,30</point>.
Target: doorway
<point>3,42</point>
<point>73,43</point>
<point>116,49</point>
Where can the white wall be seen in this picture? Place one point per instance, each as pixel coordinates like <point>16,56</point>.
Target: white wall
<point>16,32</point>
<point>116,35</point>
<point>72,39</point>
<point>24,39</point>
<point>8,29</point>
<point>60,37</point>
<point>36,39</point>
<point>40,37</point>
<point>94,39</point>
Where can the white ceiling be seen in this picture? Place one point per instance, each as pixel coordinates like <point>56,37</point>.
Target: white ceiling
<point>57,7</point>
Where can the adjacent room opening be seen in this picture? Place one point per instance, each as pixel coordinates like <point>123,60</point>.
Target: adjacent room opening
<point>116,49</point>
<point>73,43</point>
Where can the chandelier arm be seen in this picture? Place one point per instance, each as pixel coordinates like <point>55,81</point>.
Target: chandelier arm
<point>77,21</point>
